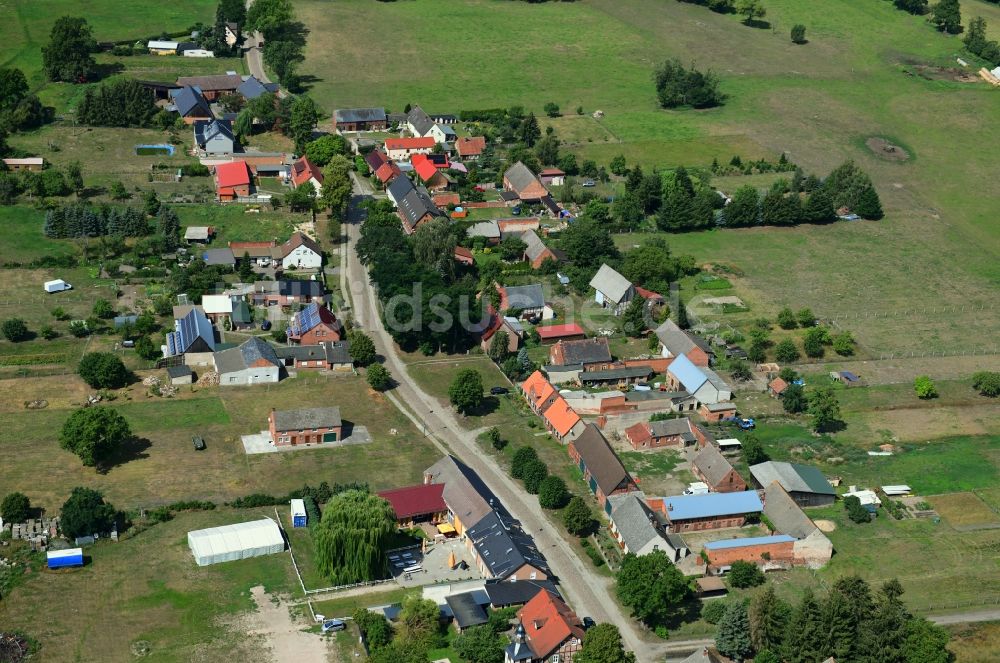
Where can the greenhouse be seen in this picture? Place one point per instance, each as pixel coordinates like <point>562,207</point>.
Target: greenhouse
<point>238,541</point>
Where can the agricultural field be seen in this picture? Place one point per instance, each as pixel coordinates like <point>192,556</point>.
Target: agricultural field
<point>868,70</point>
<point>162,467</point>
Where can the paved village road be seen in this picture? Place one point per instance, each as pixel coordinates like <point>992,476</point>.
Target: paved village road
<point>587,591</point>
<point>252,45</point>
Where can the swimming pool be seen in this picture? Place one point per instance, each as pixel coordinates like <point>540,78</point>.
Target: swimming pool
<point>154,150</point>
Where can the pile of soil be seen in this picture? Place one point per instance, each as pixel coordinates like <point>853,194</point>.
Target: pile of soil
<point>36,405</point>
<point>883,148</point>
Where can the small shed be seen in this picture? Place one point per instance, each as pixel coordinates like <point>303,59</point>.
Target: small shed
<point>729,444</point>
<point>57,559</point>
<point>466,610</point>
<point>180,375</point>
<point>298,513</point>
<point>710,587</point>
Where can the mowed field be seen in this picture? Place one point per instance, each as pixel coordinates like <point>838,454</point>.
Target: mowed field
<point>857,77</point>
<point>162,466</point>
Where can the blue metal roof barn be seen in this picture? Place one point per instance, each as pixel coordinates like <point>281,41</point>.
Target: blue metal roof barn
<point>58,559</point>
<point>238,541</point>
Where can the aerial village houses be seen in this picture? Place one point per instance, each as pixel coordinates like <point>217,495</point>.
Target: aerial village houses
<point>591,354</point>
<point>776,387</point>
<point>252,362</point>
<point>360,119</point>
<point>528,301</point>
<point>417,504</point>
<point>811,548</point>
<point>561,420</point>
<point>212,87</point>
<point>713,469</point>
<point>251,88</point>
<point>191,104</point>
<point>307,426</point>
<point>804,483</point>
<point>693,513</point>
<point>554,333</point>
<point>675,342</point>
<point>214,137</point>
<point>536,253</point>
<point>413,205</point>
<point>676,433</point>
<point>193,337</point>
<point>521,181</point>
<point>384,168</point>
<point>538,392</point>
<point>401,149</point>
<point>313,325</point>
<point>548,630</point>
<point>470,147</point>
<point>303,171</point>
<point>328,356</point>
<point>701,382</point>
<point>233,181</point>
<point>34,164</point>
<point>638,530</point>
<point>602,469</point>
<point>613,290</point>
<point>300,252</point>
<point>503,594</point>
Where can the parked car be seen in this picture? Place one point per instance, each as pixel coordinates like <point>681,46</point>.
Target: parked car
<point>265,325</point>
<point>128,343</point>
<point>333,625</point>
<point>588,623</point>
<point>199,443</point>
<point>499,391</point>
<point>589,183</point>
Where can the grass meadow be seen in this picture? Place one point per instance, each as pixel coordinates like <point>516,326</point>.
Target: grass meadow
<point>817,102</point>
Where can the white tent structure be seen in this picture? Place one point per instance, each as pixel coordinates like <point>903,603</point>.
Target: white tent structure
<point>237,541</point>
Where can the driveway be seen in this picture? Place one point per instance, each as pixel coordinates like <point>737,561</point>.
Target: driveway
<point>587,591</point>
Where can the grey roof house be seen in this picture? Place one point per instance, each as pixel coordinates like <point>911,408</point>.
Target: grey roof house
<point>214,137</point>
<point>613,290</point>
<point>528,299</point>
<point>252,362</point>
<point>219,257</point>
<point>804,483</point>
<point>190,102</point>
<point>251,88</point>
<point>639,531</point>
<point>418,122</point>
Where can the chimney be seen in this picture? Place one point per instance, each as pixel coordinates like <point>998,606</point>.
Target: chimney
<point>670,507</point>
<point>428,478</point>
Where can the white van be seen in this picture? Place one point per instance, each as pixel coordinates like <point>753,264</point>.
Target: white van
<point>57,285</point>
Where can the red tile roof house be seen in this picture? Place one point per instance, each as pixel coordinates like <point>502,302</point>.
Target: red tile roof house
<point>402,148</point>
<point>304,171</point>
<point>444,199</point>
<point>470,147</point>
<point>464,256</point>
<point>309,426</point>
<point>535,252</point>
<point>602,469</point>
<point>313,325</point>
<point>232,180</point>
<point>677,433</point>
<point>417,504</point>
<point>552,177</point>
<point>553,333</point>
<point>710,466</point>
<point>594,354</point>
<point>776,387</point>
<point>548,630</point>
<point>538,392</point>
<point>513,328</point>
<point>519,179</point>
<point>428,173</point>
<point>562,421</point>
<point>384,169</point>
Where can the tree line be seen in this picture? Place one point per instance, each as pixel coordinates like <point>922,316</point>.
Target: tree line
<point>284,38</point>
<point>19,109</point>
<point>977,43</point>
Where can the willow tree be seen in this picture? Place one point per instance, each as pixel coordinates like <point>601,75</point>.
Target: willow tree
<point>352,537</point>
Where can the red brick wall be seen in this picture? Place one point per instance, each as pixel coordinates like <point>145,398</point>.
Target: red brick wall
<point>778,552</point>
<point>657,364</point>
<point>305,437</point>
<point>699,524</point>
<point>319,334</point>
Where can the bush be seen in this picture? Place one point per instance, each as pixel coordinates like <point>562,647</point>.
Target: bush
<point>786,352</point>
<point>552,493</point>
<point>855,511</point>
<point>925,387</point>
<point>578,518</point>
<point>15,508</point>
<point>85,513</point>
<point>786,319</point>
<point>103,309</point>
<point>713,611</point>
<point>15,330</point>
<point>102,370</point>
<point>745,574</point>
<point>677,86</point>
<point>798,34</point>
<point>522,457</point>
<point>378,377</point>
<point>987,383</point>
<point>534,473</point>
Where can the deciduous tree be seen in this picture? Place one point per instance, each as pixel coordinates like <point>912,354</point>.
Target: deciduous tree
<point>85,512</point>
<point>824,409</point>
<point>651,586</point>
<point>102,370</point>
<point>578,518</point>
<point>15,508</point>
<point>603,644</point>
<point>352,537</point>
<point>466,391</point>
<point>67,57</point>
<point>552,493</point>
<point>94,434</point>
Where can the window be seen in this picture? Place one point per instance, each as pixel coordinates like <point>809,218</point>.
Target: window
<point>533,576</point>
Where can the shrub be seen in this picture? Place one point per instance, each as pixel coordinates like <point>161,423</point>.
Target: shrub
<point>535,473</point>
<point>798,34</point>
<point>745,574</point>
<point>578,518</point>
<point>925,387</point>
<point>713,611</point>
<point>552,493</point>
<point>987,383</point>
<point>522,457</point>
<point>786,319</point>
<point>855,511</point>
<point>15,330</point>
<point>786,352</point>
<point>15,508</point>
<point>378,377</point>
<point>102,370</point>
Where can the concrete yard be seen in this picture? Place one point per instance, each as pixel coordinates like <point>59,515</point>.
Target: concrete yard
<point>435,565</point>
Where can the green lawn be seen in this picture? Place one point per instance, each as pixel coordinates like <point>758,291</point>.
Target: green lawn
<point>151,590</point>
<point>234,224</point>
